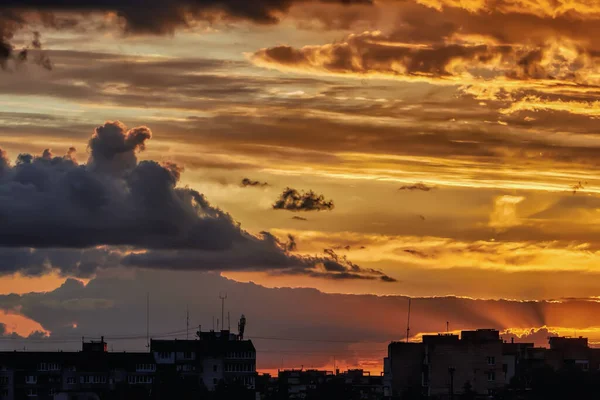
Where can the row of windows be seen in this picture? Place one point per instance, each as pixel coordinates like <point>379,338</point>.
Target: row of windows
<point>92,379</point>
<point>139,379</point>
<point>248,380</point>
<point>33,392</point>
<point>188,355</point>
<point>239,368</point>
<point>145,367</point>
<point>187,368</point>
<point>241,354</point>
<point>48,367</point>
<point>31,379</point>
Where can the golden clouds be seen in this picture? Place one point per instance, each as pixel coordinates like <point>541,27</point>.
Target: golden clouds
<point>464,60</point>
<point>505,212</point>
<point>543,8</point>
<point>440,253</point>
<point>508,51</point>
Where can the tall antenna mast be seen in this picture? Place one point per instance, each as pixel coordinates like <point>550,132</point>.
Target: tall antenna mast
<point>187,322</point>
<point>408,322</point>
<point>148,319</point>
<point>222,297</point>
<point>447,327</point>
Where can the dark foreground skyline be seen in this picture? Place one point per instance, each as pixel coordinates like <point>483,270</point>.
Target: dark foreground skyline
<point>319,161</point>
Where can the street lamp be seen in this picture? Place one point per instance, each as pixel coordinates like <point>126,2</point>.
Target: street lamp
<point>451,372</point>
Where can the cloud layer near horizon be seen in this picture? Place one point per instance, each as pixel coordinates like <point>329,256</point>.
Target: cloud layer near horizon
<point>326,326</point>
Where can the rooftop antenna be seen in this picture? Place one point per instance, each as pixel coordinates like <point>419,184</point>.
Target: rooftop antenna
<point>148,319</point>
<point>241,327</point>
<point>217,324</point>
<point>222,297</point>
<point>447,327</point>
<point>187,322</point>
<point>408,322</point>
<point>213,323</point>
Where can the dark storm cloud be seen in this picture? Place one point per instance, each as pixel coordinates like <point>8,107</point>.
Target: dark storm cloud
<point>148,17</point>
<point>4,163</point>
<point>246,182</point>
<point>293,200</point>
<point>58,214</point>
<point>417,186</point>
<point>152,17</point>
<point>158,16</point>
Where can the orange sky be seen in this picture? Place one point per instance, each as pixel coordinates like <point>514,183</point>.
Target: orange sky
<point>457,139</point>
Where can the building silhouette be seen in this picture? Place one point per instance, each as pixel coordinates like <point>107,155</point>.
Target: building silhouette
<point>478,364</point>
<point>213,362</point>
<point>445,365</point>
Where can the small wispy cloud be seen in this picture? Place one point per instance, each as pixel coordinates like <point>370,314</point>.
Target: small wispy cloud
<point>417,186</point>
<point>293,200</point>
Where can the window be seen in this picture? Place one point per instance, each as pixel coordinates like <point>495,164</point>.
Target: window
<point>187,354</point>
<point>491,360</point>
<point>4,392</point>
<point>491,375</point>
<point>31,393</point>
<point>3,380</point>
<point>214,381</point>
<point>164,354</point>
<point>31,379</point>
<point>215,368</point>
<point>70,380</point>
<point>52,391</point>
<point>491,392</point>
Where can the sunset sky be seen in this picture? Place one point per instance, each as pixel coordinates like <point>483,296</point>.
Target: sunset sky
<point>445,150</point>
